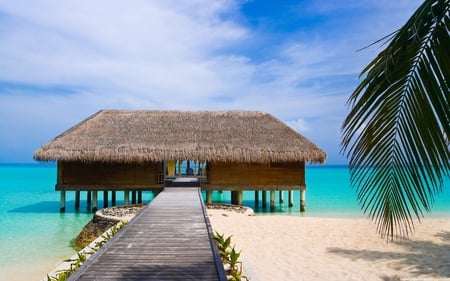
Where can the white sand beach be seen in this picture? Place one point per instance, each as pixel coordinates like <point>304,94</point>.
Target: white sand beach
<point>304,248</point>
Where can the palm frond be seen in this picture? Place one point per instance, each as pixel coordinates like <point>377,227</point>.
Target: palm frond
<point>396,134</point>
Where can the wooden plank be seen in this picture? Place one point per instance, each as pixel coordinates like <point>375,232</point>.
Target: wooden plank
<point>171,239</point>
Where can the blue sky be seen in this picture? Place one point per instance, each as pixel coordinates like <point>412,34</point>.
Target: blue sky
<point>61,61</point>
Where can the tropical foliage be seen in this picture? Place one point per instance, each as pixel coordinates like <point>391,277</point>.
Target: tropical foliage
<point>396,134</point>
<point>230,258</point>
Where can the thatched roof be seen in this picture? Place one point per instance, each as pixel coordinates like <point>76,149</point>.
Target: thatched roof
<point>148,136</point>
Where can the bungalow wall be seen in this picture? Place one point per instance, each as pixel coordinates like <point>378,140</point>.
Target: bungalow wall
<point>256,176</point>
<point>104,176</point>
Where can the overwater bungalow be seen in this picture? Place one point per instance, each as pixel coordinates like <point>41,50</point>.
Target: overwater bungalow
<point>146,150</point>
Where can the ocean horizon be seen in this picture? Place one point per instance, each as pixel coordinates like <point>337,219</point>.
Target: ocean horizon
<point>35,237</point>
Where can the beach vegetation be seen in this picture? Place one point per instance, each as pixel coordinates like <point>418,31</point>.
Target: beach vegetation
<point>230,258</point>
<point>396,133</point>
<point>63,275</point>
<point>223,244</point>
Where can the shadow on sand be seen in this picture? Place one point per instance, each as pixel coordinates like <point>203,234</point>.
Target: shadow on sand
<point>420,258</point>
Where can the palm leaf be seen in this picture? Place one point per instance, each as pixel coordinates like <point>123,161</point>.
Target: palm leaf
<point>396,134</point>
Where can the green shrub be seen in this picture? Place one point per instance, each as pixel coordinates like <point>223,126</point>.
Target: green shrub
<point>230,258</point>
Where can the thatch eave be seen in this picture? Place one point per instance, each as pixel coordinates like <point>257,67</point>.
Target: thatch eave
<point>263,158</point>
<point>149,136</point>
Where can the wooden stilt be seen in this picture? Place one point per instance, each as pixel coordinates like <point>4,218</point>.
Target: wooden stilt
<point>239,197</point>
<point>94,201</point>
<point>77,200</point>
<point>179,167</point>
<point>105,199</point>
<point>256,198</point>
<point>291,198</point>
<point>272,200</point>
<point>126,197</point>
<point>133,197</point>
<point>62,201</point>
<point>281,196</point>
<point>89,200</point>
<point>113,198</point>
<point>302,200</point>
<point>233,197</point>
<point>264,198</point>
<point>139,197</point>
<point>209,196</point>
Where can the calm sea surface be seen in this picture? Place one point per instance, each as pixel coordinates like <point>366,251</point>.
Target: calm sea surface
<point>35,237</point>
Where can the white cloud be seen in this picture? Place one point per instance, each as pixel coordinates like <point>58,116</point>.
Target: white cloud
<point>300,125</point>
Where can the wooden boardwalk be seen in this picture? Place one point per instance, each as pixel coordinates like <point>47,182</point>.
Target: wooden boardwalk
<point>170,239</point>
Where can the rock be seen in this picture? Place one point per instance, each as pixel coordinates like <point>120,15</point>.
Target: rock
<point>234,208</point>
<point>103,220</point>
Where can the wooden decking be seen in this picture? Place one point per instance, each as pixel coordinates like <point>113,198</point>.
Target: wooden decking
<point>170,239</point>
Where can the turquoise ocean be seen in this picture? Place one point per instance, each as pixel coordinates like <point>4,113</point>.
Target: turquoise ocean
<point>35,237</point>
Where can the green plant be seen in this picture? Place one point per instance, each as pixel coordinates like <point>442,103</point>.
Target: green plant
<point>235,265</point>
<point>63,275</point>
<point>223,244</point>
<point>234,258</point>
<point>230,257</point>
